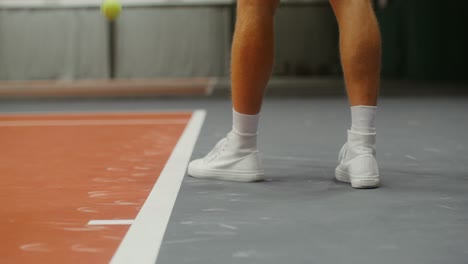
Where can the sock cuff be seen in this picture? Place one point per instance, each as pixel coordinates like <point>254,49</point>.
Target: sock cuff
<point>244,124</point>
<point>243,134</point>
<point>363,118</point>
<point>364,106</point>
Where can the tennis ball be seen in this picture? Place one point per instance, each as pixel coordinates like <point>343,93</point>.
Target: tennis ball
<point>111,9</point>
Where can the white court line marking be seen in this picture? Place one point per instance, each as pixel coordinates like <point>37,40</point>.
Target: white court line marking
<point>111,222</point>
<point>143,240</point>
<point>410,157</point>
<point>103,122</point>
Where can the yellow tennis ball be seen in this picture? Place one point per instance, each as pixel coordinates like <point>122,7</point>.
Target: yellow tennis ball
<point>111,9</point>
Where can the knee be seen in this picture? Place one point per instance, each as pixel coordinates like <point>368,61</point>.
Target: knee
<point>270,5</point>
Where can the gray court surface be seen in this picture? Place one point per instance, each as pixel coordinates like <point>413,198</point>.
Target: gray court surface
<point>300,214</point>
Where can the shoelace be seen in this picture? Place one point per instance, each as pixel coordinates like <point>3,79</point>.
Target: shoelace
<point>216,150</point>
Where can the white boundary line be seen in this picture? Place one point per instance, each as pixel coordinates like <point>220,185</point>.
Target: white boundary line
<point>111,222</point>
<point>143,240</point>
<point>102,122</point>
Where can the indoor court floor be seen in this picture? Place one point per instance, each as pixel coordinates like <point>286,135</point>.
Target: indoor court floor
<point>102,157</point>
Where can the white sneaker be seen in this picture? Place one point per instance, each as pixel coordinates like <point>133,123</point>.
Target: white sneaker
<point>232,159</point>
<point>357,161</point>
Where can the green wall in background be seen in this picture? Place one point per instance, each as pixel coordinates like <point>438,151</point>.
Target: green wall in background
<point>425,39</point>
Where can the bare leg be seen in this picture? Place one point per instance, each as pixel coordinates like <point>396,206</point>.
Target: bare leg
<point>360,47</point>
<point>252,54</point>
<point>236,158</point>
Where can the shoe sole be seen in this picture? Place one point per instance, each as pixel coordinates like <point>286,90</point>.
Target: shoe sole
<point>369,182</point>
<point>235,176</point>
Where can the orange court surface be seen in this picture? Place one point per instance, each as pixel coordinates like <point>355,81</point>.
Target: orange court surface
<point>72,184</point>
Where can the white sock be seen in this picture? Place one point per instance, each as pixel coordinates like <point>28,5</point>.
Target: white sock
<point>244,125</point>
<point>363,118</point>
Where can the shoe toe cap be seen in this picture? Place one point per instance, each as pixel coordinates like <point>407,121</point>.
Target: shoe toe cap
<point>194,164</point>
